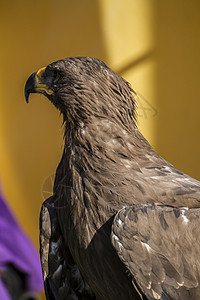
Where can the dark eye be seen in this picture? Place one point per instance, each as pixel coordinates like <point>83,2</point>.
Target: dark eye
<point>52,75</point>
<point>56,76</point>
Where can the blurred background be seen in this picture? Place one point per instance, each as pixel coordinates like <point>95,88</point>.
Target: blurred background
<point>153,44</point>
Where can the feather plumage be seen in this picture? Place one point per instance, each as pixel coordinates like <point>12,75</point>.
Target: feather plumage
<point>141,250</point>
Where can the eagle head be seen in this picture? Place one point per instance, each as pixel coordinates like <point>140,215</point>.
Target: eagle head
<point>81,87</point>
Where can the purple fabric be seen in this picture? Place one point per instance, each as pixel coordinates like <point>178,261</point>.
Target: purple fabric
<point>3,292</point>
<point>16,248</point>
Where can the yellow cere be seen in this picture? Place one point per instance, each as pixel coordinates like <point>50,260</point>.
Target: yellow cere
<point>40,72</point>
<point>41,86</point>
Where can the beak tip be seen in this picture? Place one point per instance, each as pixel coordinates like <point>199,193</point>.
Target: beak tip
<point>26,97</point>
<point>29,87</point>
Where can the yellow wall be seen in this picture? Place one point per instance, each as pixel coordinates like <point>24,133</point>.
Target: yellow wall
<point>153,44</point>
<point>177,93</point>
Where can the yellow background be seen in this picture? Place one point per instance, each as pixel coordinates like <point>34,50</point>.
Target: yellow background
<point>153,44</point>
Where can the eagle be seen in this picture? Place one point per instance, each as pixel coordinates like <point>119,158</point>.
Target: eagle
<point>122,222</point>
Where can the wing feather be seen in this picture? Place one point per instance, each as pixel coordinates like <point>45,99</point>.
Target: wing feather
<point>62,279</point>
<point>160,247</point>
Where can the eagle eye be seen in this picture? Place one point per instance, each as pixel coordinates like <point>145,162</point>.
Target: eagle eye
<point>56,76</point>
<point>53,75</point>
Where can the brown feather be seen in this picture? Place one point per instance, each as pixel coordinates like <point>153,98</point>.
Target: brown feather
<point>107,165</point>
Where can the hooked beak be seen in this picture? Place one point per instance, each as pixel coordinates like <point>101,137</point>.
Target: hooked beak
<point>35,84</point>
